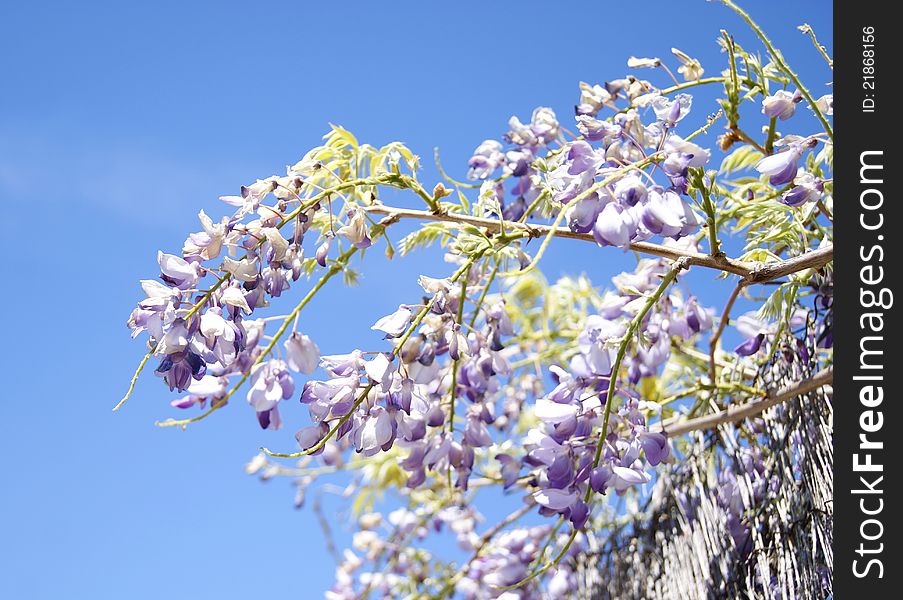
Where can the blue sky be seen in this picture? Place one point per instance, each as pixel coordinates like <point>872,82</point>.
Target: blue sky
<point>118,121</point>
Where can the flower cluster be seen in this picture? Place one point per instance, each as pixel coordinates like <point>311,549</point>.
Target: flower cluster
<point>399,539</point>
<point>508,562</point>
<point>378,399</point>
<point>783,168</point>
<point>634,207</point>
<point>562,451</point>
<point>750,472</point>
<point>556,394</point>
<point>204,336</point>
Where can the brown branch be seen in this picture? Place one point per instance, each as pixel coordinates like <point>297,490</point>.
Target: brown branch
<point>816,259</point>
<point>738,412</point>
<point>725,317</point>
<point>751,272</point>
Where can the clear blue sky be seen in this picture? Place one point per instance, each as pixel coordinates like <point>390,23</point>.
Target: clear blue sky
<point>118,121</point>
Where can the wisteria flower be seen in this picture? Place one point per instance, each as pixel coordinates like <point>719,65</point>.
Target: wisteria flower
<point>690,68</point>
<point>355,229</point>
<point>592,99</point>
<point>270,383</point>
<point>395,324</point>
<point>781,105</point>
<point>485,160</point>
<point>178,272</point>
<point>301,353</point>
<point>806,188</point>
<point>615,226</point>
<point>206,244</point>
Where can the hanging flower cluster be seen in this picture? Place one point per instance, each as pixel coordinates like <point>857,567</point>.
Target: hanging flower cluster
<point>563,450</point>
<point>550,396</point>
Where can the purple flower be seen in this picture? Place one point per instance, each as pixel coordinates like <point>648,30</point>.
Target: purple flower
<point>234,296</point>
<point>699,156</point>
<point>593,343</point>
<point>476,434</point>
<point>517,162</point>
<point>807,188</point>
<point>750,346</point>
<point>582,216</point>
<point>308,437</point>
<point>330,399</point>
<point>692,319</point>
<point>510,469</point>
<point>343,365</point>
<point>543,129</point>
<point>599,478</point>
<point>676,166</point>
<point>615,226</point>
<point>155,310</point>
<point>179,368</point>
<point>270,383</point>
<point>781,167</point>
<point>668,215</point>
<point>217,339</point>
<point>579,514</point>
<point>567,386</point>
<point>376,432</point>
<point>630,191</point>
<point>781,105</point>
<point>557,500</point>
<point>655,445</point>
<point>485,160</point>
<point>323,250</point>
<point>624,478</point>
<point>594,129</point>
<point>554,412</point>
<point>582,157</point>
<point>177,271</point>
<point>206,388</point>
<point>380,370</point>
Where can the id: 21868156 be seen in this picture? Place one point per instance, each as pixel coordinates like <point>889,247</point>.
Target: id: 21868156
<point>868,69</point>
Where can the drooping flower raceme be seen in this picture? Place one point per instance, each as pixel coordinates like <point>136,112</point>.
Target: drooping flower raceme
<point>555,393</point>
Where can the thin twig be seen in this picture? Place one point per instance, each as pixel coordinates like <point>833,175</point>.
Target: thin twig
<point>725,317</point>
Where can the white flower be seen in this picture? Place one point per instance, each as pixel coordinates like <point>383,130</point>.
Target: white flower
<point>233,296</point>
<point>550,411</point>
<point>380,369</point>
<point>301,353</point>
<point>675,143</point>
<point>243,270</point>
<point>394,324</point>
<point>826,104</point>
<point>643,63</point>
<point>554,499</point>
<point>375,433</point>
<point>175,340</point>
<point>208,243</point>
<point>690,68</point>
<point>277,242</point>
